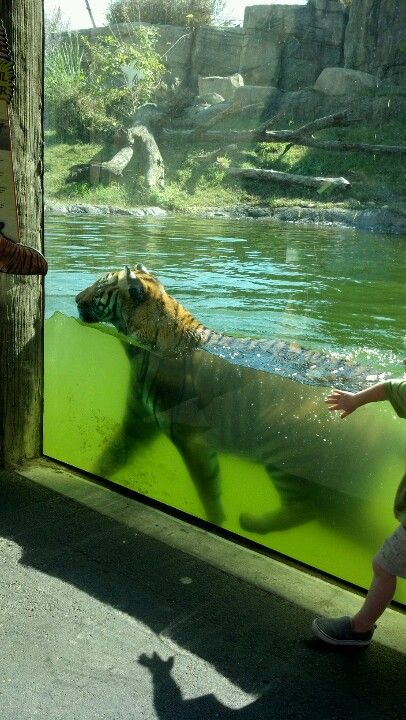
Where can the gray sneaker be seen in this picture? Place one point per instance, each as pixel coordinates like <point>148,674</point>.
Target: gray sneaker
<point>338,631</point>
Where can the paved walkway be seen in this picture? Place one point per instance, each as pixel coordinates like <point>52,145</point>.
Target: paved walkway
<point>108,611</point>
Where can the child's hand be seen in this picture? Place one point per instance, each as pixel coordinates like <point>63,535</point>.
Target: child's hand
<point>342,400</point>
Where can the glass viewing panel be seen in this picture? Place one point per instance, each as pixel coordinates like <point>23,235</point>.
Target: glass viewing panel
<point>232,299</point>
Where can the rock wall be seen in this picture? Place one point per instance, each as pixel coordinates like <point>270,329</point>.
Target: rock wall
<point>375,38</point>
<point>287,46</point>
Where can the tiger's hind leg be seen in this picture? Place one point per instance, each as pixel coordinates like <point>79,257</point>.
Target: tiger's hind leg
<point>297,505</point>
<point>202,463</point>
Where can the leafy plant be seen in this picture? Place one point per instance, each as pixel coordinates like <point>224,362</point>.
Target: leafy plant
<point>94,86</point>
<point>63,73</point>
<point>124,73</point>
<point>165,12</point>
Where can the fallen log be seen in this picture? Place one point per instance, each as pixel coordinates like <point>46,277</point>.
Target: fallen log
<point>229,137</point>
<point>340,119</point>
<point>114,167</point>
<point>299,136</point>
<point>341,146</point>
<point>238,137</point>
<point>276,176</point>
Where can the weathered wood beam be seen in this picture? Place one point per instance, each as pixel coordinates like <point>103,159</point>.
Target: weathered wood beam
<point>114,168</point>
<point>21,354</point>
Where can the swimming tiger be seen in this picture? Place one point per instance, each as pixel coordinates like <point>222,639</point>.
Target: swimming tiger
<point>206,405</point>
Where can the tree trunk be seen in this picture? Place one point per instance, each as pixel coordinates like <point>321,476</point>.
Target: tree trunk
<point>21,355</point>
<point>153,159</point>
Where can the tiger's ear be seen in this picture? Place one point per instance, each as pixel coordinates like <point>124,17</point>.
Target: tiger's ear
<point>133,286</point>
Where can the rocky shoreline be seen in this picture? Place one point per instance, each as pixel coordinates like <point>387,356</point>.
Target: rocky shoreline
<point>379,220</point>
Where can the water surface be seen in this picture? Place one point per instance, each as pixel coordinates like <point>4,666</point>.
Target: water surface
<point>326,288</point>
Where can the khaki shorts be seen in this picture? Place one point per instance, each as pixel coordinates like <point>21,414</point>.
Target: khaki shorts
<point>392,555</point>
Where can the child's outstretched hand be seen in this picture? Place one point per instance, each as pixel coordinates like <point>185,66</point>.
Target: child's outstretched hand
<point>342,400</point>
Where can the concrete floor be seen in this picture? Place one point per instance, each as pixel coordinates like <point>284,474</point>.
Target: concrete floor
<point>113,610</point>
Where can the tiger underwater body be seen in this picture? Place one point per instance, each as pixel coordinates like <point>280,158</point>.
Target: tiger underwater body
<point>188,383</point>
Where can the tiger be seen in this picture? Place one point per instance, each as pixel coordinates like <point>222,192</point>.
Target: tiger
<point>17,259</point>
<point>183,385</point>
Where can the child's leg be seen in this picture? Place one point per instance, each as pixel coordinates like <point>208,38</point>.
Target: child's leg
<point>388,564</point>
<point>380,594</point>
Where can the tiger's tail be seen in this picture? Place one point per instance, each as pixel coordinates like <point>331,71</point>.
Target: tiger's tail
<point>17,259</point>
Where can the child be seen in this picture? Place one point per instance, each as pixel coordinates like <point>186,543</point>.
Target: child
<point>390,561</point>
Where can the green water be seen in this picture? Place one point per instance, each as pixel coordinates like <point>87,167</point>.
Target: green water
<point>334,290</point>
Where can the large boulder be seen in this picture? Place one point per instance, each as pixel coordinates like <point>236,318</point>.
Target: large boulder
<point>343,81</point>
<point>255,95</point>
<point>224,86</point>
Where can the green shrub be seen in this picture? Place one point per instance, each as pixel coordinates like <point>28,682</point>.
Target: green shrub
<point>83,118</point>
<point>165,12</point>
<point>91,87</point>
<point>63,73</point>
<point>124,73</point>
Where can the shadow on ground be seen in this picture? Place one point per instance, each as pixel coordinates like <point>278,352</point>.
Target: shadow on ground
<point>262,643</point>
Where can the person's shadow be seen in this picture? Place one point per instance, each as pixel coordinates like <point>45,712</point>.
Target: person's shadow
<point>169,703</point>
<point>304,698</point>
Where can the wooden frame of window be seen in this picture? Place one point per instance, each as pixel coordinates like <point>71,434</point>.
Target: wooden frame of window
<point>21,298</point>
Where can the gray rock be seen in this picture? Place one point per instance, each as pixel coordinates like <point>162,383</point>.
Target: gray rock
<point>56,208</point>
<point>200,114</point>
<point>256,94</point>
<point>225,86</point>
<point>343,81</point>
<point>288,46</point>
<point>211,99</point>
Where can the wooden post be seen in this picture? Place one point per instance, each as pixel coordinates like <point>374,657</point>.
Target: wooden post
<point>21,298</point>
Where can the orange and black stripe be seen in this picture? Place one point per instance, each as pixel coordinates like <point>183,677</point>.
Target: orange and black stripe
<point>17,259</point>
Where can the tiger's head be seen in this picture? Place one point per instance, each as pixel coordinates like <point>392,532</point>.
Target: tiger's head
<point>136,303</point>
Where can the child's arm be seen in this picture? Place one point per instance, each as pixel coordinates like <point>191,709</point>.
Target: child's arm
<point>348,402</point>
